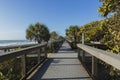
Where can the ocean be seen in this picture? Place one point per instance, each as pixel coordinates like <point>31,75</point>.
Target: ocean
<point>15,42</point>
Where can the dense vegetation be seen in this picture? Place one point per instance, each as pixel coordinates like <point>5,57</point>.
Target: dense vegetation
<point>106,31</point>
<point>109,6</point>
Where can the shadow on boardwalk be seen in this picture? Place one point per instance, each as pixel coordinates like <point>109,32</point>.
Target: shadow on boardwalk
<point>43,69</point>
<point>71,78</point>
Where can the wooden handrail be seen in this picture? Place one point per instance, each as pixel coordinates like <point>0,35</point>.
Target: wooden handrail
<point>16,46</point>
<point>108,57</point>
<point>12,47</point>
<point>98,54</point>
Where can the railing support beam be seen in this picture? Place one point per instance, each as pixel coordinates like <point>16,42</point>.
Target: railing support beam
<point>39,55</point>
<point>45,51</point>
<point>78,53</point>
<point>83,56</point>
<point>23,58</point>
<point>94,67</point>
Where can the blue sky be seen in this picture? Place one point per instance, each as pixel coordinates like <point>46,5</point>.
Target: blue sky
<point>17,15</point>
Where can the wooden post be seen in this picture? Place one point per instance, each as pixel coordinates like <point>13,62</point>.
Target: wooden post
<point>23,58</point>
<point>52,46</point>
<point>94,66</point>
<point>83,38</point>
<point>78,53</point>
<point>83,56</point>
<point>45,50</point>
<point>83,52</point>
<point>39,54</point>
<point>8,50</point>
<point>5,50</point>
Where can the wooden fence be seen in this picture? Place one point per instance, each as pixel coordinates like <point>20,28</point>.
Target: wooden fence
<point>38,51</point>
<point>98,54</point>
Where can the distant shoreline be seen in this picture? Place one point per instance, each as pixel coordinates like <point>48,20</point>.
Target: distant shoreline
<point>15,42</point>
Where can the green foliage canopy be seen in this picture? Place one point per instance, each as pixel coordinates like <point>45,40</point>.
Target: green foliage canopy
<point>71,33</point>
<point>109,6</point>
<point>112,36</point>
<point>53,35</point>
<point>38,32</point>
<point>93,31</point>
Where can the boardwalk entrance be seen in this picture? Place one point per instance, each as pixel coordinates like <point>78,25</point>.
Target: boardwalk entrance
<point>63,65</point>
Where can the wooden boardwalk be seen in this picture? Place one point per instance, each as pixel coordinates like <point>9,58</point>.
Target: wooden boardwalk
<point>63,65</point>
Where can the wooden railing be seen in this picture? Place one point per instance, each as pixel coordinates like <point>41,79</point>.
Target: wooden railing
<point>100,46</point>
<point>23,54</point>
<point>7,48</point>
<point>98,54</point>
<point>38,52</point>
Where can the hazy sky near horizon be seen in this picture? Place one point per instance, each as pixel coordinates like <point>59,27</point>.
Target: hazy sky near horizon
<point>17,15</point>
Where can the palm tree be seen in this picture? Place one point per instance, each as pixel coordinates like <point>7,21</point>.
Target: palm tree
<point>71,32</point>
<point>38,32</point>
<point>53,35</point>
